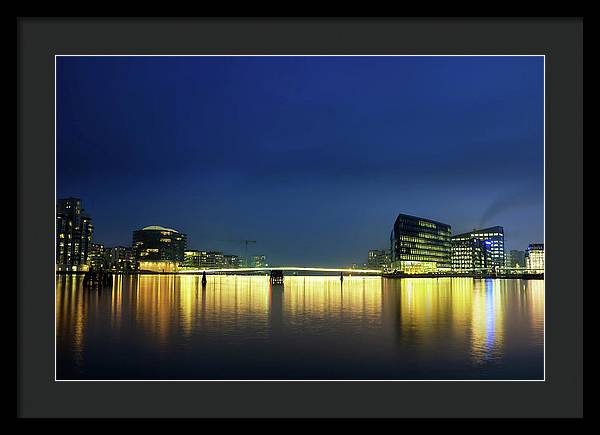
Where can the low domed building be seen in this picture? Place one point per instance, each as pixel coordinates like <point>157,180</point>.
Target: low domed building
<point>158,249</point>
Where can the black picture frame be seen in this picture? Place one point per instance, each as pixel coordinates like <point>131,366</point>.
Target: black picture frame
<point>560,40</point>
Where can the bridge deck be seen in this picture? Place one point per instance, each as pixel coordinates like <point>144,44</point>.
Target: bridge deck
<point>284,268</point>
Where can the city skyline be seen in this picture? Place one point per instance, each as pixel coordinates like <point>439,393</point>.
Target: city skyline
<point>414,238</point>
<point>312,157</point>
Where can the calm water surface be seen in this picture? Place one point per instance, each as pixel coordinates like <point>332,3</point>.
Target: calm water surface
<point>240,327</point>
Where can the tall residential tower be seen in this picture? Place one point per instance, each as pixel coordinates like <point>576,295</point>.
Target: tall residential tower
<point>73,235</point>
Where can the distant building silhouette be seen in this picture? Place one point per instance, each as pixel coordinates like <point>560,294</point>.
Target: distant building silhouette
<point>232,261</point>
<point>378,259</point>
<point>514,258</point>
<point>259,261</point>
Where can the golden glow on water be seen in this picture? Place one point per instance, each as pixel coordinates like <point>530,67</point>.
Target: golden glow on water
<point>412,324</point>
<point>319,297</point>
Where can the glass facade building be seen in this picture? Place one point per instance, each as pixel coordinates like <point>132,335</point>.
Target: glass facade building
<point>495,237</point>
<point>534,257</point>
<point>470,253</point>
<point>73,235</point>
<point>486,249</point>
<point>158,244</point>
<point>420,245</point>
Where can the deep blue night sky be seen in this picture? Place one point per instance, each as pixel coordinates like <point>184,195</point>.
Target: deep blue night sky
<point>313,157</point>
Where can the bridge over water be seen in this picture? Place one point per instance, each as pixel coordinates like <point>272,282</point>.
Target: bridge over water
<point>283,269</point>
<point>474,273</point>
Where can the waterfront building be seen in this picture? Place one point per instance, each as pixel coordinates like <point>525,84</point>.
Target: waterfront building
<point>493,240</point>
<point>470,253</point>
<point>157,266</point>
<point>534,257</point>
<point>97,258</point>
<point>120,259</point>
<point>163,246</point>
<point>73,235</point>
<point>419,245</point>
<point>231,261</point>
<point>197,259</point>
<point>191,258</point>
<point>259,261</point>
<point>212,260</point>
<point>495,235</point>
<point>515,258</point>
<point>378,259</point>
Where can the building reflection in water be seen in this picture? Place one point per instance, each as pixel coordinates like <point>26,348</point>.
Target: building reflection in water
<point>410,321</point>
<point>451,316</point>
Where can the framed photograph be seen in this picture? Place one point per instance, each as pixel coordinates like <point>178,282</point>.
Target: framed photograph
<point>298,230</point>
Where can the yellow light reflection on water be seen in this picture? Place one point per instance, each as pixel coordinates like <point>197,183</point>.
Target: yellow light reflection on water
<point>319,297</point>
<point>459,318</point>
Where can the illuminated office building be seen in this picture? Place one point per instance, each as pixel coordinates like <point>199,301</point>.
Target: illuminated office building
<point>197,259</point>
<point>495,237</point>
<point>420,245</point>
<point>158,248</point>
<point>470,253</point>
<point>73,235</point>
<point>493,244</point>
<point>378,259</point>
<point>534,257</point>
<point>191,258</point>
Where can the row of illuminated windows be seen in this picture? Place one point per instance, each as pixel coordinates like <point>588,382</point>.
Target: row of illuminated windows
<point>427,224</point>
<point>424,248</point>
<point>424,240</point>
<point>423,253</point>
<point>421,258</point>
<point>411,226</point>
<point>423,232</point>
<point>429,246</point>
<point>483,235</point>
<point>420,237</point>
